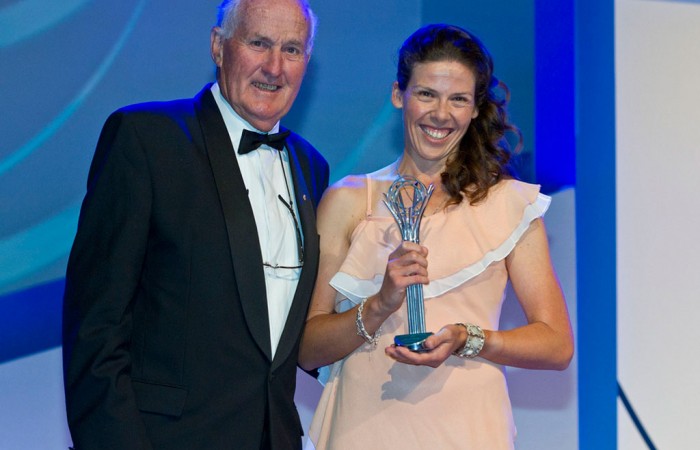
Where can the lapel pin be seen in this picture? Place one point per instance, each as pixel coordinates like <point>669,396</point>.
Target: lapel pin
<point>304,197</point>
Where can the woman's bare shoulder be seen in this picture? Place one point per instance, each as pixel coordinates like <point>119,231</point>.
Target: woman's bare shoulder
<point>348,190</point>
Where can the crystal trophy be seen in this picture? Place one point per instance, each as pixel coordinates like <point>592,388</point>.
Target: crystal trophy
<point>407,199</point>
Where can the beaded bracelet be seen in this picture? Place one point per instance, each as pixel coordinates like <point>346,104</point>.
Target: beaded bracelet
<point>361,330</point>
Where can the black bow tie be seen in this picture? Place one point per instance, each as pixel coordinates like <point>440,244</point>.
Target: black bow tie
<point>250,140</point>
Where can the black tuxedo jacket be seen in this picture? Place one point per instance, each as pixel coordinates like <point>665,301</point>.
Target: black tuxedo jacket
<point>166,335</point>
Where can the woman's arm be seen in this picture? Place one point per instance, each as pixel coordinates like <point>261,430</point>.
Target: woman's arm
<point>330,336</point>
<point>546,342</point>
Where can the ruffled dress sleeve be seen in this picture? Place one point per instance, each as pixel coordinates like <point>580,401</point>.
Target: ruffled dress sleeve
<point>463,241</point>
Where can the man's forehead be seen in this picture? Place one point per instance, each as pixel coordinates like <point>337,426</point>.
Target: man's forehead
<point>267,19</point>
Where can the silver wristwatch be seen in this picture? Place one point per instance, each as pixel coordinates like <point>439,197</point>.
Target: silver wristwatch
<point>474,342</point>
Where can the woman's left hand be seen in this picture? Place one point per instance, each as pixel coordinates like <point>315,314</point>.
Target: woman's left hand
<point>440,345</point>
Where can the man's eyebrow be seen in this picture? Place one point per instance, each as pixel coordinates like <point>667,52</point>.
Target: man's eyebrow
<point>258,37</point>
<point>261,37</point>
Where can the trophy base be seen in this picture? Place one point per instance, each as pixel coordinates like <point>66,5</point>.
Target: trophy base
<point>413,342</point>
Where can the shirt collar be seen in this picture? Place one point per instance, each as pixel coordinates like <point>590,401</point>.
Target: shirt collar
<point>235,124</point>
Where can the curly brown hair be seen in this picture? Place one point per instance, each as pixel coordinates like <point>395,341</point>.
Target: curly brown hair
<point>483,156</point>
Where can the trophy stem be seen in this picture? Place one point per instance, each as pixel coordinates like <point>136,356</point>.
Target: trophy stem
<point>408,218</point>
<point>416,311</point>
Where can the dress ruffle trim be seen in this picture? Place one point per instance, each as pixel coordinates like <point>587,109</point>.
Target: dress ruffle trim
<point>355,289</point>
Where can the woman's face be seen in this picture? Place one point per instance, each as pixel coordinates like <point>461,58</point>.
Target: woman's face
<point>438,106</point>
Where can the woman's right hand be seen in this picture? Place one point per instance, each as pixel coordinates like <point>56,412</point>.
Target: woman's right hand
<point>407,265</point>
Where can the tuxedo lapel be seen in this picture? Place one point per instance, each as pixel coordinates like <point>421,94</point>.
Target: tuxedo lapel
<point>240,222</point>
<point>307,217</point>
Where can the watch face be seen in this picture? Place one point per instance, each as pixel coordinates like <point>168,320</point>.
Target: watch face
<point>473,330</point>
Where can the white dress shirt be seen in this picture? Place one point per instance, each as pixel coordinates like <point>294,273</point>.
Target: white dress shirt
<point>264,179</point>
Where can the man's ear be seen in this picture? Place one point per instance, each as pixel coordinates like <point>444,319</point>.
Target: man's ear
<point>217,45</point>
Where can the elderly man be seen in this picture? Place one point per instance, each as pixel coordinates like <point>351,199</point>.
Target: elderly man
<point>196,253</point>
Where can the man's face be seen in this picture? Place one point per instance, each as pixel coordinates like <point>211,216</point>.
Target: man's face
<point>262,65</point>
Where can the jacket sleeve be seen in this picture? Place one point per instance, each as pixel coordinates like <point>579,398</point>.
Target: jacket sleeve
<point>102,277</point>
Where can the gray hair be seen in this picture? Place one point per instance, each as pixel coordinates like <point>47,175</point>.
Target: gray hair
<point>228,13</point>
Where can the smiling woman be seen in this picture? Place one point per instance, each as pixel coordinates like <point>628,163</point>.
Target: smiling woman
<point>484,231</point>
<point>437,109</point>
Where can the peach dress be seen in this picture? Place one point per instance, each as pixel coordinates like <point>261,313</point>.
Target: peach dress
<point>372,402</point>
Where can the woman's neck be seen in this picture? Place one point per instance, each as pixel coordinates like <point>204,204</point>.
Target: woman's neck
<point>429,173</point>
